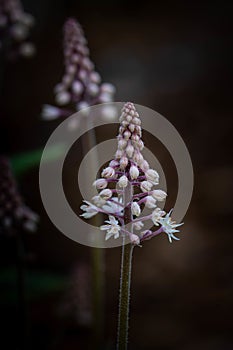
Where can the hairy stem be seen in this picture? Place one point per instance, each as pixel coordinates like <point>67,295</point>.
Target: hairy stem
<point>125,281</point>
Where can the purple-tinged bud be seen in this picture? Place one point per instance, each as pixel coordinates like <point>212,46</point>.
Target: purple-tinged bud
<point>134,239</point>
<point>123,181</point>
<point>119,154</point>
<point>75,58</point>
<point>123,162</point>
<point>62,98</point>
<point>127,135</point>
<point>159,195</point>
<point>114,163</point>
<point>105,194</point>
<point>131,127</point>
<point>146,186</point>
<point>95,77</point>
<point>134,172</point>
<point>150,202</point>
<point>92,89</point>
<point>122,144</point>
<point>71,70</point>
<point>144,165</point>
<point>50,112</point>
<point>137,157</point>
<point>105,97</point>
<point>82,74</point>
<point>100,184</point>
<point>128,118</point>
<point>67,80</point>
<point>108,172</point>
<point>108,88</point>
<point>77,87</point>
<point>129,151</point>
<point>135,209</point>
<point>152,176</point>
<point>81,106</point>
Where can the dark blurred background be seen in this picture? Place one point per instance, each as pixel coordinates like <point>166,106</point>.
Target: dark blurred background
<point>176,58</point>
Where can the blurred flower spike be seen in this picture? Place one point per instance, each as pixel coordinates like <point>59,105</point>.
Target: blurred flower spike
<point>81,85</point>
<point>14,214</point>
<point>15,26</point>
<point>130,173</point>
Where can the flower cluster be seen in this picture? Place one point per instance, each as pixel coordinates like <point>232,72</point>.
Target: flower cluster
<point>130,172</point>
<point>81,85</point>
<point>15,26</point>
<point>14,215</point>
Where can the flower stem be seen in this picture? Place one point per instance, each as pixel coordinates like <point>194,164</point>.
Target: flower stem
<point>123,317</point>
<point>125,280</point>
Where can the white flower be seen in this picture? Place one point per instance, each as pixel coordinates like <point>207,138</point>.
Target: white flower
<point>123,181</point>
<point>169,226</point>
<point>150,202</point>
<point>113,206</point>
<point>50,112</point>
<point>134,172</point>
<point>97,200</point>
<point>159,195</point>
<point>146,186</point>
<point>113,229</point>
<point>108,172</point>
<point>138,225</point>
<point>135,208</point>
<point>105,194</point>
<point>100,184</point>
<point>152,176</point>
<point>156,216</point>
<point>90,210</point>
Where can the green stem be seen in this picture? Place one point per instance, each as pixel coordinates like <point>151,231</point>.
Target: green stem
<point>125,280</point>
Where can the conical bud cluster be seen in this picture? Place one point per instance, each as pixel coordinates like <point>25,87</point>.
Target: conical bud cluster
<point>15,26</point>
<point>130,172</point>
<point>14,215</point>
<point>81,85</point>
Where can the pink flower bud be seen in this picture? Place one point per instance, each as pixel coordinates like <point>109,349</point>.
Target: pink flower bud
<point>134,239</point>
<point>62,98</point>
<point>159,195</point>
<point>108,172</point>
<point>100,184</point>
<point>123,181</point>
<point>123,162</point>
<point>134,172</point>
<point>105,194</point>
<point>77,87</point>
<point>129,151</point>
<point>152,176</point>
<point>150,202</point>
<point>122,143</point>
<point>146,186</point>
